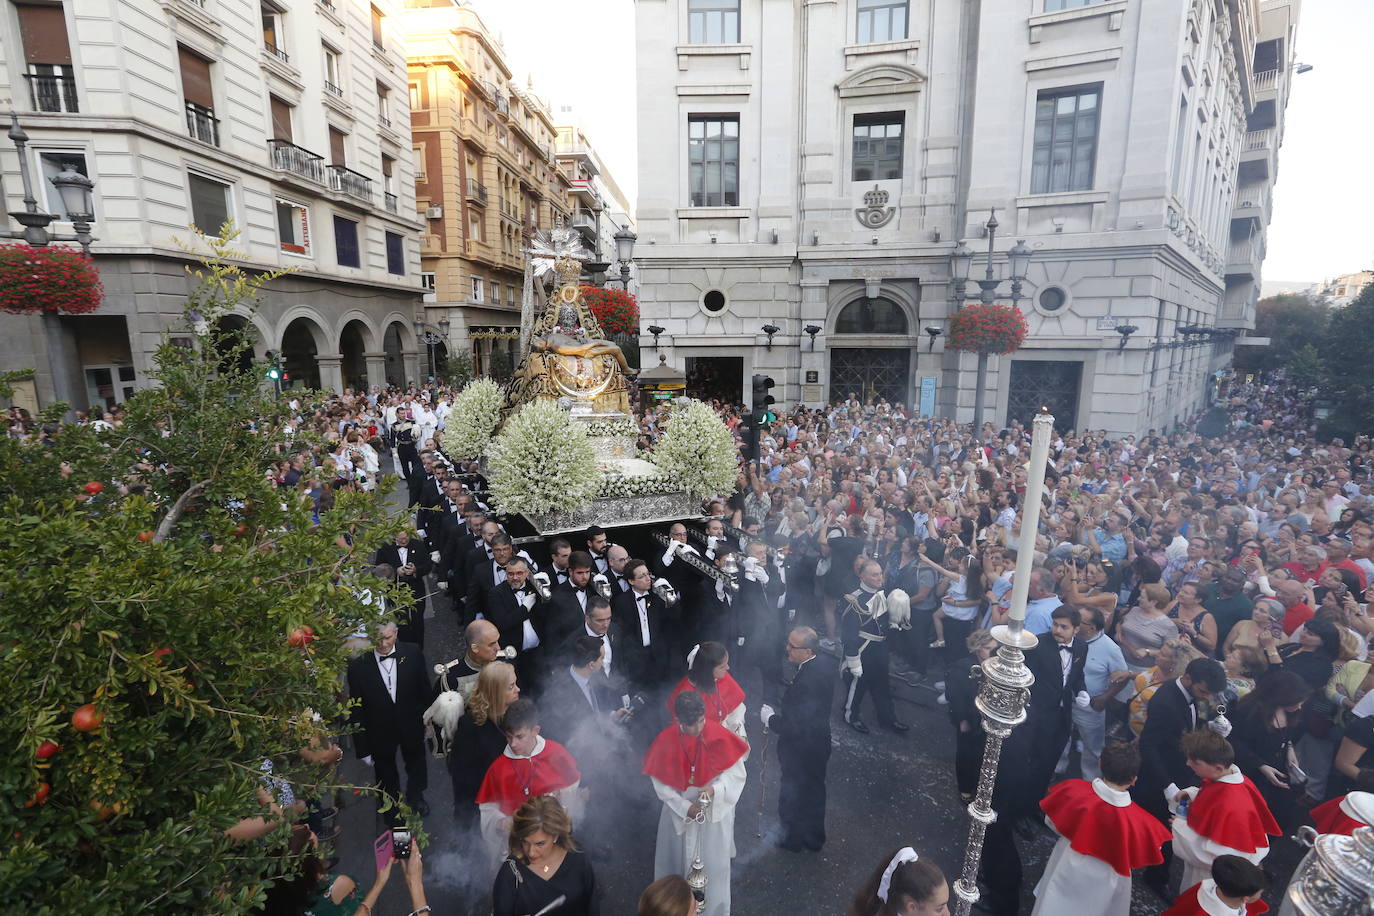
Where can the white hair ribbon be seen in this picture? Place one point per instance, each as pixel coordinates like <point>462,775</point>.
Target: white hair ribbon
<point>691,656</point>
<point>905,854</point>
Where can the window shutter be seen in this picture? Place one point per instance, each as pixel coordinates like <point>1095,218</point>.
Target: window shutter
<point>44,33</point>
<point>195,79</point>
<point>281,119</point>
<point>336,147</point>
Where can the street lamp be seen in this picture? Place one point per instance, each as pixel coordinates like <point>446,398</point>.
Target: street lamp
<point>813,330</point>
<point>934,332</point>
<point>960,265</point>
<point>655,330</point>
<point>770,330</point>
<point>624,251</point>
<point>75,190</point>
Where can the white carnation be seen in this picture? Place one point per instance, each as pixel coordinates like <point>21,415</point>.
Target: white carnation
<point>476,414</point>
<point>542,462</point>
<point>697,451</point>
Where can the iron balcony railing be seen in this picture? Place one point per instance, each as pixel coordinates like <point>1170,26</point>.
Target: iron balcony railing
<point>477,192</point>
<point>52,92</point>
<point>288,157</point>
<point>277,52</point>
<point>1267,79</point>
<point>389,201</point>
<point>333,90</point>
<point>342,178</point>
<point>202,123</point>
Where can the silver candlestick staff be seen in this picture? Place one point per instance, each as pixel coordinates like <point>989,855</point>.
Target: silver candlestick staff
<point>1006,680</point>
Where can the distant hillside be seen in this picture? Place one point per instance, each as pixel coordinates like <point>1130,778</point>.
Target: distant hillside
<point>1275,287</point>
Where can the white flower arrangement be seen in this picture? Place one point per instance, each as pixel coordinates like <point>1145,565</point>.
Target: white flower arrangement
<point>696,450</point>
<point>615,485</point>
<point>621,427</point>
<point>542,462</point>
<point>476,414</point>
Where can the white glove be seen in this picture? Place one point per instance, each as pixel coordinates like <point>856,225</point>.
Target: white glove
<point>854,666</point>
<point>750,564</point>
<point>1082,700</point>
<point>368,760</point>
<point>443,585</point>
<point>766,713</point>
<point>1221,725</point>
<point>420,532</point>
<point>433,555</point>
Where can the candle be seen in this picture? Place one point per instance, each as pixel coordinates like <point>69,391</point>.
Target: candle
<point>1041,430</point>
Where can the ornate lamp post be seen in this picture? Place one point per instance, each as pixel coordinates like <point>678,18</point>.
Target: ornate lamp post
<point>960,265</point>
<point>1006,679</point>
<point>75,190</point>
<point>624,253</point>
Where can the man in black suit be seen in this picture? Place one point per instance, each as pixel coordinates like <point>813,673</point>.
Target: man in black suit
<point>616,559</point>
<point>560,554</point>
<point>410,560</point>
<point>682,577</point>
<point>1172,712</point>
<point>599,624</point>
<point>450,570</point>
<point>514,607</point>
<point>486,575</point>
<point>596,546</point>
<point>568,605</point>
<point>640,615</point>
<point>389,691</point>
<point>717,605</point>
<point>803,729</point>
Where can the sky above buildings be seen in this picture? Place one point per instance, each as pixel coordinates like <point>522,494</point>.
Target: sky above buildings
<point>582,53</point>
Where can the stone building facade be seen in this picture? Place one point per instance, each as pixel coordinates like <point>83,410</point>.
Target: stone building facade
<point>811,167</point>
<point>187,113</point>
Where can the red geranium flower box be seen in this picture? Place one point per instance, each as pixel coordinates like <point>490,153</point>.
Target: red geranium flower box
<point>63,280</point>
<point>980,328</point>
<point>616,310</point>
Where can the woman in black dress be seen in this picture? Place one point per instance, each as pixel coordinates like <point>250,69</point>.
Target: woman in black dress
<point>544,864</point>
<point>1266,725</point>
<point>478,739</point>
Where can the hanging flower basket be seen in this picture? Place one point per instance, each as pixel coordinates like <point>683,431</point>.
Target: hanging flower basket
<point>615,310</point>
<point>981,328</point>
<point>60,280</point>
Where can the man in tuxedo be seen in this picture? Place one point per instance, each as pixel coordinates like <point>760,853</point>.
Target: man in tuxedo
<point>514,607</point>
<point>802,725</point>
<point>1058,664</point>
<point>682,577</point>
<point>389,691</point>
<point>486,575</point>
<point>560,552</point>
<point>599,623</point>
<point>451,569</point>
<point>1177,707</point>
<point>569,602</point>
<point>616,558</point>
<point>596,546</point>
<point>432,491</point>
<point>717,604</point>
<point>410,560</point>
<point>640,615</point>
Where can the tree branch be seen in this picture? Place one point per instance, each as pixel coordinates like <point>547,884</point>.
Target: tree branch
<point>164,530</point>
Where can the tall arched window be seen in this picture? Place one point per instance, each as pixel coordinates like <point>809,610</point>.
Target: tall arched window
<point>871,316</point>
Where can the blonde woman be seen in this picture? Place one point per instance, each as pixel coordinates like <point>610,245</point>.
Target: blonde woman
<point>1171,659</point>
<point>478,739</point>
<point>544,867</point>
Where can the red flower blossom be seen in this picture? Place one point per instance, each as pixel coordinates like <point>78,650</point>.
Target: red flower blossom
<point>61,280</point>
<point>616,310</point>
<point>981,328</point>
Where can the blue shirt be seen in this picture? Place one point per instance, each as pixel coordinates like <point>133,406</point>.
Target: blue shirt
<point>1104,657</point>
<point>1113,545</point>
<point>1038,619</point>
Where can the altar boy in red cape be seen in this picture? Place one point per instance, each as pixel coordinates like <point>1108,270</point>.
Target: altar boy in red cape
<point>697,769</point>
<point>1226,816</point>
<point>1347,813</point>
<point>1103,835</point>
<point>531,765</point>
<point>1233,890</point>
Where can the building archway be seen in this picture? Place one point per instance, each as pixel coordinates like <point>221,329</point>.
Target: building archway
<point>871,350</point>
<point>300,348</point>
<point>354,343</point>
<point>393,346</point>
<point>228,333</point>
<point>872,316</point>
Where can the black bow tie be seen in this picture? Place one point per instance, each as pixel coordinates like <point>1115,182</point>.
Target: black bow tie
<point>1064,648</point>
<point>382,658</point>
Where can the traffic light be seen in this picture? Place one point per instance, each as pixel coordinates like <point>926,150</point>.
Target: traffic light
<point>274,372</point>
<point>761,414</point>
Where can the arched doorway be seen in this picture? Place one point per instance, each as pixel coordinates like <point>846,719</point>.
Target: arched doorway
<point>230,333</point>
<point>299,349</point>
<point>393,345</point>
<point>876,361</point>
<point>353,344</point>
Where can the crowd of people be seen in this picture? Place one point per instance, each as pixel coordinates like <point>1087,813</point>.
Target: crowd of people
<point>1200,605</point>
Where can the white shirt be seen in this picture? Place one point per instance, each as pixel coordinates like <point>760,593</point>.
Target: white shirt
<point>387,667</point>
<point>605,641</point>
<point>585,686</point>
<point>641,604</point>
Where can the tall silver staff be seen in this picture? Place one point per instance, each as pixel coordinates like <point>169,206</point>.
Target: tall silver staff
<point>1006,679</point>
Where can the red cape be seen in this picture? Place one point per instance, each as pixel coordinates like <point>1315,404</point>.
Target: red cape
<point>672,755</point>
<point>1232,814</point>
<point>1329,818</point>
<point>720,704</point>
<point>510,781</point>
<point>1185,904</point>
<point>1124,838</point>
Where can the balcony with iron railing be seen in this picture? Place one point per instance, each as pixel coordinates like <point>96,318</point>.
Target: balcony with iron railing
<point>384,121</point>
<point>585,222</point>
<point>1267,80</point>
<point>389,201</point>
<point>477,192</point>
<point>288,157</point>
<point>202,123</point>
<point>333,90</point>
<point>277,52</point>
<point>342,178</point>
<point>52,92</point>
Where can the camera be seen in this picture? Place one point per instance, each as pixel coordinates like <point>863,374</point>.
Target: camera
<point>400,844</point>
